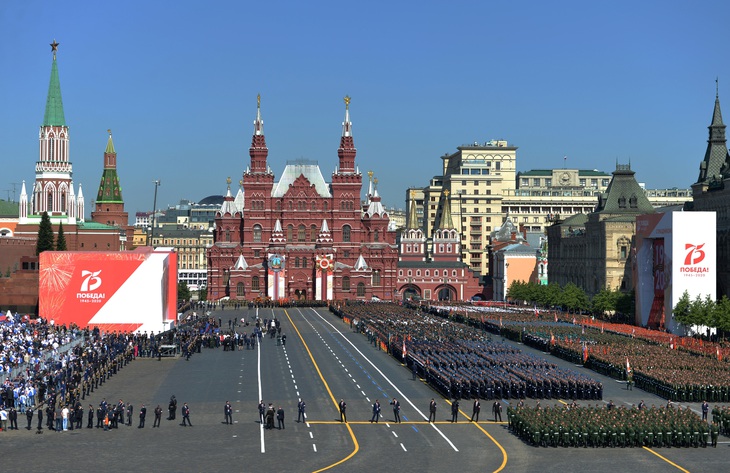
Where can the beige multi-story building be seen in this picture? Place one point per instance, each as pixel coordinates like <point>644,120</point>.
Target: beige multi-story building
<point>190,245</point>
<point>546,195</point>
<point>477,177</point>
<point>486,189</point>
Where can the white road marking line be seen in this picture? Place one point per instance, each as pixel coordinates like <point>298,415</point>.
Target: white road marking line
<point>403,396</point>
<point>403,447</point>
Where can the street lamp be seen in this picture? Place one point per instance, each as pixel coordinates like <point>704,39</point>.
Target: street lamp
<point>157,183</point>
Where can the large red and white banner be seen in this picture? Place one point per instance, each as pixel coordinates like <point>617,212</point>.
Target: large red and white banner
<point>132,291</point>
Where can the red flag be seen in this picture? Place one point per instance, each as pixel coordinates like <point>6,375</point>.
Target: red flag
<point>719,355</point>
<point>537,312</point>
<point>585,353</point>
<point>628,366</point>
<point>404,349</point>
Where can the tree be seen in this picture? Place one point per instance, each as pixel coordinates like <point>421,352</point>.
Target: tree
<point>203,294</point>
<point>604,301</point>
<point>574,298</point>
<point>183,292</point>
<point>60,239</point>
<point>681,310</point>
<point>721,315</point>
<point>625,303</point>
<point>45,235</point>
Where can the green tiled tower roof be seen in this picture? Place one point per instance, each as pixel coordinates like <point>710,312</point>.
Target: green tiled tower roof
<point>109,189</point>
<point>54,104</point>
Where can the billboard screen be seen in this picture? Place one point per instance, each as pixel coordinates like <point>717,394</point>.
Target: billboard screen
<point>133,291</point>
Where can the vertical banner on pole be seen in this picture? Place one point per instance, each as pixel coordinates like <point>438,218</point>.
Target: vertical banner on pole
<point>325,277</point>
<point>277,275</point>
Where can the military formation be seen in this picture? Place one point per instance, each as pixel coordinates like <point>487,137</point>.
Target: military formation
<point>462,362</point>
<point>566,426</point>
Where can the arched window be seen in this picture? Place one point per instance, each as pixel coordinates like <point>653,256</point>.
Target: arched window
<point>324,206</point>
<point>376,237</point>
<point>304,262</point>
<point>360,289</point>
<point>376,278</point>
<point>63,202</point>
<point>346,233</point>
<point>300,205</point>
<point>314,206</point>
<point>296,262</point>
<point>435,273</point>
<point>228,234</point>
<point>240,290</point>
<point>277,206</point>
<point>302,233</point>
<point>345,283</point>
<point>257,233</point>
<point>290,232</point>
<point>313,233</point>
<point>255,283</point>
<point>49,203</point>
<point>291,205</point>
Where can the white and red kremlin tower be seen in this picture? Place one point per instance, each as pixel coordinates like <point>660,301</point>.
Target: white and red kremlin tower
<point>302,238</point>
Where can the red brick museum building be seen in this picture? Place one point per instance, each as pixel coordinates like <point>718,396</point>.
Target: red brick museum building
<point>302,238</point>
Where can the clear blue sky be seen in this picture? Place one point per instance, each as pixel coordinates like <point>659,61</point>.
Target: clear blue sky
<point>598,82</point>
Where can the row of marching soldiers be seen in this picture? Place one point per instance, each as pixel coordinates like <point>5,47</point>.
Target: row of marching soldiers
<point>611,427</point>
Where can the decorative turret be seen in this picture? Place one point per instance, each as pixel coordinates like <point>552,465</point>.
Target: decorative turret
<point>23,206</point>
<point>80,205</point>
<point>716,164</point>
<point>228,207</point>
<point>446,244</point>
<point>277,236</point>
<point>347,151</point>
<point>258,150</point>
<point>412,241</point>
<point>325,237</point>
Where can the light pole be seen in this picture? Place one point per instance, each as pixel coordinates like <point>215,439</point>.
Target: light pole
<point>157,183</point>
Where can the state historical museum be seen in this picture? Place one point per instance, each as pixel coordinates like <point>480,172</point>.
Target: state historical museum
<point>302,238</point>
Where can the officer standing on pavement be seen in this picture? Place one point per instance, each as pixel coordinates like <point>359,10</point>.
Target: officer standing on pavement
<point>301,407</point>
<point>228,411</point>
<point>396,410</point>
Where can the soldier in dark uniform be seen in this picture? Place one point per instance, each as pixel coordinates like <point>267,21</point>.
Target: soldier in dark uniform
<point>186,415</point>
<point>343,410</point>
<point>396,410</point>
<point>142,416</point>
<point>29,415</point>
<point>280,417</point>
<point>476,408</point>
<point>228,412</point>
<point>130,410</point>
<point>172,407</point>
<point>376,412</point>
<point>90,424</point>
<point>158,416</point>
<point>432,411</point>
<point>262,411</point>
<point>497,411</point>
<point>455,411</point>
<point>301,407</point>
<point>40,419</point>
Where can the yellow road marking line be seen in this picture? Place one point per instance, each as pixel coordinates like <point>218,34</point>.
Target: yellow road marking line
<point>504,452</point>
<point>666,459</point>
<point>329,391</point>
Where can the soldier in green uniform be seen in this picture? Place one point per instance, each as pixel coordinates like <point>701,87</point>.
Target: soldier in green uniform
<point>714,433</point>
